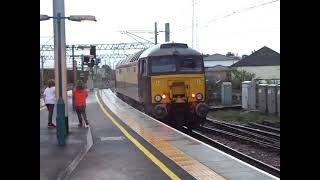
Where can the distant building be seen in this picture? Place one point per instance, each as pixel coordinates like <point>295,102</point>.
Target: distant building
<point>216,67</point>
<point>265,63</point>
<point>217,73</point>
<point>218,59</point>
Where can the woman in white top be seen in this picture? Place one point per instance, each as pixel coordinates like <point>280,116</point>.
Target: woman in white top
<point>50,99</point>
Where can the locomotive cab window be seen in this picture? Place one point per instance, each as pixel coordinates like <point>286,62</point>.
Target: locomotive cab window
<point>163,64</point>
<point>190,64</point>
<point>143,67</point>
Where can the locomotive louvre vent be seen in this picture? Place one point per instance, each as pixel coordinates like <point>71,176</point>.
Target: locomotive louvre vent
<point>173,45</point>
<point>136,56</point>
<point>178,89</point>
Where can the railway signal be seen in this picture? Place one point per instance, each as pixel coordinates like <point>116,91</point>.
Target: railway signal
<point>92,63</point>
<point>86,60</point>
<point>93,51</point>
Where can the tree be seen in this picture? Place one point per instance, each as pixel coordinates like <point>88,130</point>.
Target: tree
<point>230,54</point>
<point>244,56</point>
<point>238,76</point>
<point>107,71</point>
<point>106,67</point>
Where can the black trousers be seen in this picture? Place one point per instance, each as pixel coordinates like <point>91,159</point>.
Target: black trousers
<point>50,108</point>
<point>81,112</point>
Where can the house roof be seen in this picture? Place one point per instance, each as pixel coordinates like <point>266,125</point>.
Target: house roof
<point>218,57</point>
<point>263,57</point>
<point>208,64</point>
<point>218,68</point>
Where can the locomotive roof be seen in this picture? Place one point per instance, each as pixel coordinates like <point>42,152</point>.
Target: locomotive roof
<point>169,49</point>
<point>130,59</point>
<point>160,50</point>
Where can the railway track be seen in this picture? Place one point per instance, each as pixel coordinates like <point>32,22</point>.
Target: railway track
<point>222,129</point>
<point>198,134</point>
<point>266,134</point>
<point>243,136</point>
<point>265,128</point>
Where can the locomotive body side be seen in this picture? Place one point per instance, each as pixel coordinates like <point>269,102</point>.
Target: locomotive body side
<point>127,81</point>
<point>168,81</point>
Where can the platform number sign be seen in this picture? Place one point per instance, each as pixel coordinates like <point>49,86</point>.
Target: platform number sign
<point>199,81</point>
<point>269,91</point>
<point>157,83</point>
<point>81,74</point>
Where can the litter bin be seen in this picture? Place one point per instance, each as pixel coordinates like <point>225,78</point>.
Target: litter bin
<point>278,99</point>
<point>262,98</point>
<point>248,95</point>
<point>226,93</point>
<point>272,99</point>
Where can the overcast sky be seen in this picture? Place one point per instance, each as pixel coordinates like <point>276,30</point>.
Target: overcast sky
<point>249,26</point>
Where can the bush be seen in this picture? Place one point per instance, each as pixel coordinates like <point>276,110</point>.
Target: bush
<point>238,76</point>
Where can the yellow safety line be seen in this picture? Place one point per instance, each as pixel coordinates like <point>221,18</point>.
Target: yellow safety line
<point>155,160</point>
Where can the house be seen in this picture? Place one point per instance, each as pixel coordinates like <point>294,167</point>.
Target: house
<point>216,67</point>
<point>265,63</point>
<point>217,73</point>
<point>218,59</point>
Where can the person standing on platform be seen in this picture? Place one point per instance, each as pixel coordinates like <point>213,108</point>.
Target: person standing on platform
<point>80,94</point>
<point>49,98</point>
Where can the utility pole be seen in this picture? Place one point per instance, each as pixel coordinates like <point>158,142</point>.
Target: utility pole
<point>42,80</point>
<point>96,76</point>
<point>167,32</point>
<point>60,70</point>
<point>192,22</point>
<point>74,64</point>
<point>155,33</point>
<point>82,69</point>
<point>195,38</point>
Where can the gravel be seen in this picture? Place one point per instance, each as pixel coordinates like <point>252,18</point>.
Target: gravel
<point>268,157</point>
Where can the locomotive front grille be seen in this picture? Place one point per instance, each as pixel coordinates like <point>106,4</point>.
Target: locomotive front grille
<point>178,90</point>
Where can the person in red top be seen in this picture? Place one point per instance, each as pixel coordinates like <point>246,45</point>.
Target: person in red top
<point>80,94</point>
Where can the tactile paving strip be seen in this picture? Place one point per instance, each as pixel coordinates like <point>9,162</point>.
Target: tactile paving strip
<point>193,167</point>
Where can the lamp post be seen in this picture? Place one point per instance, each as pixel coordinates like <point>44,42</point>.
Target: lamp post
<point>113,64</point>
<point>74,75</point>
<point>42,80</point>
<point>62,124</point>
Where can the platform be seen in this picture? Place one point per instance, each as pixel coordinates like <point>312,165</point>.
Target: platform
<point>198,159</point>
<point>58,162</point>
<point>123,143</point>
<point>114,156</point>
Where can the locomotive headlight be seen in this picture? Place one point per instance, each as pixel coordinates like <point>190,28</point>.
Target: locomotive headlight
<point>157,98</point>
<point>199,96</point>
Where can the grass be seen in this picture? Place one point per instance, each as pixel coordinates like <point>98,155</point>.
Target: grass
<point>241,117</point>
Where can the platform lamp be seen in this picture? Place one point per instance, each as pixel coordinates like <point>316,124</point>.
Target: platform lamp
<point>61,123</point>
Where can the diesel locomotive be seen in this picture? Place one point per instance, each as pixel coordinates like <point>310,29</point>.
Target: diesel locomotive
<point>167,81</point>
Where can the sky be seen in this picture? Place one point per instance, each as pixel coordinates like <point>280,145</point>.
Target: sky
<point>221,26</point>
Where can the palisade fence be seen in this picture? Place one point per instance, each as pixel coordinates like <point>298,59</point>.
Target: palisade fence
<point>257,95</point>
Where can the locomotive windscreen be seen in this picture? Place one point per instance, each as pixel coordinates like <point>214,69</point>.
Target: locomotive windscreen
<point>176,64</point>
<point>189,64</point>
<point>163,64</point>
<point>173,45</point>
